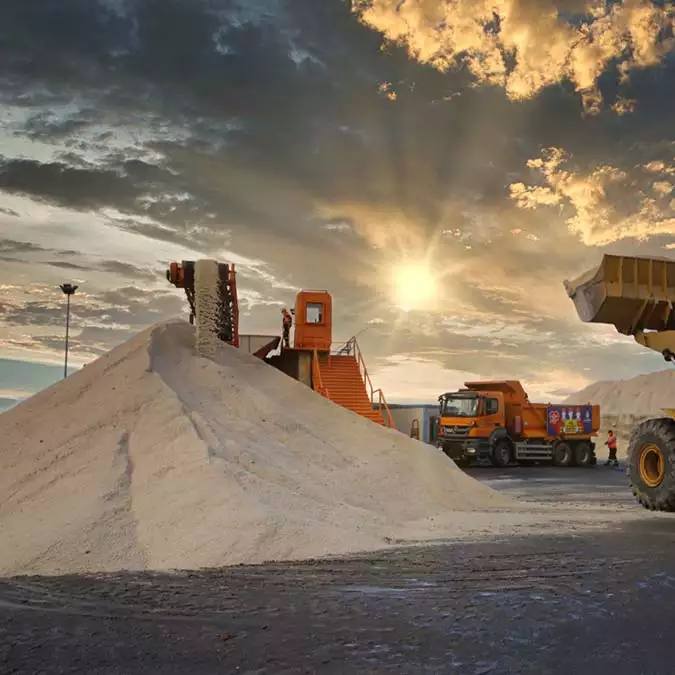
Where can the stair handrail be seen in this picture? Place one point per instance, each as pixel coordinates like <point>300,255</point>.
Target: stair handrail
<point>316,374</point>
<point>354,350</point>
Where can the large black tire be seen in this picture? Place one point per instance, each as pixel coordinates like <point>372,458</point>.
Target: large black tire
<point>502,454</point>
<point>583,454</point>
<point>562,454</point>
<point>651,464</point>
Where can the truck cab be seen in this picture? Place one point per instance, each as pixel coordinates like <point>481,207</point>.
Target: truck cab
<point>469,421</point>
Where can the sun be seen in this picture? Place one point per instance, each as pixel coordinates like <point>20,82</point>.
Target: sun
<point>415,286</point>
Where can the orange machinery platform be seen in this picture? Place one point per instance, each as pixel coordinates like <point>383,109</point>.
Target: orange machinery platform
<point>341,377</point>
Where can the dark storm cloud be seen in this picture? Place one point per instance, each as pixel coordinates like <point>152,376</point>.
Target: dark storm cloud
<point>320,126</point>
<point>124,269</point>
<point>44,126</point>
<point>121,269</point>
<point>67,186</point>
<point>11,246</point>
<point>15,251</point>
<point>65,265</point>
<point>258,120</point>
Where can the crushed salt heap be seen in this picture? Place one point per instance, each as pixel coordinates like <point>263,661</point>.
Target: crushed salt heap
<point>626,403</point>
<point>152,457</point>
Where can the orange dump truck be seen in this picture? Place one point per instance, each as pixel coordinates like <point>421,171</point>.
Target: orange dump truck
<point>496,421</point>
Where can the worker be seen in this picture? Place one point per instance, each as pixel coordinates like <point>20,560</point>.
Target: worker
<point>287,323</point>
<point>611,444</point>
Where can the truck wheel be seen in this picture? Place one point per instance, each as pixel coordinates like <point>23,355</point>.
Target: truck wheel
<point>583,454</point>
<point>562,454</point>
<point>501,454</point>
<point>651,464</point>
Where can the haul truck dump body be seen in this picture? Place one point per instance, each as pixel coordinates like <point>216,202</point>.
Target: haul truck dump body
<point>636,296</point>
<point>496,421</point>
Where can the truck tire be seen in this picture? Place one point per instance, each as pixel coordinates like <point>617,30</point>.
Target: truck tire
<point>562,454</point>
<point>651,464</point>
<point>583,454</point>
<point>501,454</point>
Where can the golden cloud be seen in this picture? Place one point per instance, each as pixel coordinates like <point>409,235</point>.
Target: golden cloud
<point>596,219</point>
<point>527,45</point>
<point>662,187</point>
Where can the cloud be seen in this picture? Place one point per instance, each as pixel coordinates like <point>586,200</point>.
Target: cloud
<point>12,246</point>
<point>525,46</point>
<point>145,132</point>
<point>606,203</point>
<point>120,269</point>
<point>65,185</point>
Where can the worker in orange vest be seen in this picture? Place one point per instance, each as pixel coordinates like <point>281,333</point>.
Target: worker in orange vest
<point>611,444</point>
<point>288,322</point>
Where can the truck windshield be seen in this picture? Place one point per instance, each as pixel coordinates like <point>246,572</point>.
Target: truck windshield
<point>459,407</point>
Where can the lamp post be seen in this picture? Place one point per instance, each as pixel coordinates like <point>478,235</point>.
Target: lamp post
<point>69,290</point>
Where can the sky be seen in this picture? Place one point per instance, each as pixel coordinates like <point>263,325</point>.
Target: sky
<point>439,167</point>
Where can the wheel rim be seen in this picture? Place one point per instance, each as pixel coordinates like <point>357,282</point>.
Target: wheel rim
<point>652,466</point>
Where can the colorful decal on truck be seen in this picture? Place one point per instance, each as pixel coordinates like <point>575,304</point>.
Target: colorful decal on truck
<point>569,420</point>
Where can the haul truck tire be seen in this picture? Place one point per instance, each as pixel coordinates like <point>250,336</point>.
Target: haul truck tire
<point>583,454</point>
<point>651,464</point>
<point>502,454</point>
<point>562,454</point>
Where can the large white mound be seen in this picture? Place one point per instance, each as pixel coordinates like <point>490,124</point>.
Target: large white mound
<point>152,457</point>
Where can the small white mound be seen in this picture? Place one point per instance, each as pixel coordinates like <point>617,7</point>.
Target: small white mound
<point>153,457</point>
<point>644,395</point>
<point>626,403</point>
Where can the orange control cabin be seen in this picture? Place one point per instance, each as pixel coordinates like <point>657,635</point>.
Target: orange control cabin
<point>311,338</point>
<point>313,321</point>
<point>495,421</point>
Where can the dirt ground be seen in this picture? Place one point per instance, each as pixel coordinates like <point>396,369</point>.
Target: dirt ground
<point>600,603</point>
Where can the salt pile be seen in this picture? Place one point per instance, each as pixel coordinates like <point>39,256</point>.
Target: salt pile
<point>626,403</point>
<point>155,458</point>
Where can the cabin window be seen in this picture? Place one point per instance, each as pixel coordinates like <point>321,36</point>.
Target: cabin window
<point>314,312</point>
<point>491,406</point>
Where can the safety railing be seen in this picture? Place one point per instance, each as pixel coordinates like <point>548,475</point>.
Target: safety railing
<point>351,348</point>
<point>316,376</point>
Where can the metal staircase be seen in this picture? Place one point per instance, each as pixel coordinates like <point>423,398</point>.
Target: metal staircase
<point>342,377</point>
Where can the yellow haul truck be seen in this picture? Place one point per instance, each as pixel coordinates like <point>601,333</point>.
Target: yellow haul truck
<point>636,296</point>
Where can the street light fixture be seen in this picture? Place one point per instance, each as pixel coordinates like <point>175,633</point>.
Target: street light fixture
<point>69,290</point>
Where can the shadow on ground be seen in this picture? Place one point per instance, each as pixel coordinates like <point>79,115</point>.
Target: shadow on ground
<point>586,604</point>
